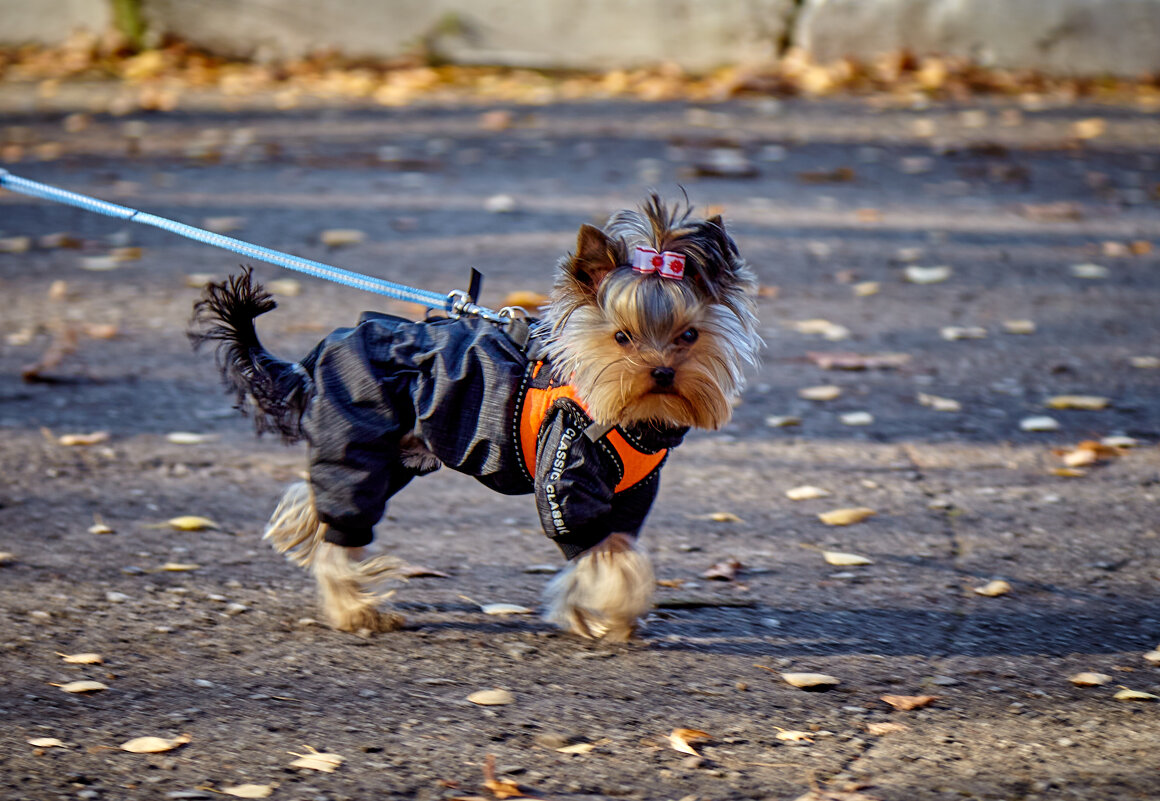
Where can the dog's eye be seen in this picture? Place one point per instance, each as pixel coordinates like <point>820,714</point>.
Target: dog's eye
<point>622,338</point>
<point>689,337</point>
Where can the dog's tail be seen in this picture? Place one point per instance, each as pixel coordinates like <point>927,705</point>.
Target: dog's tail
<point>273,391</point>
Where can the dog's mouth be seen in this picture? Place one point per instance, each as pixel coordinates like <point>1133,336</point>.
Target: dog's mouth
<point>663,391</point>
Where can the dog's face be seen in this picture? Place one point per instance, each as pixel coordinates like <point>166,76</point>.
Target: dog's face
<point>647,347</point>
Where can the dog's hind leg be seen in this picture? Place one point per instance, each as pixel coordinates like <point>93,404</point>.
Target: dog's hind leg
<point>346,581</point>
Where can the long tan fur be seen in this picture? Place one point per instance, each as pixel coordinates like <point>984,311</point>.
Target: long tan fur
<point>345,580</point>
<point>603,593</point>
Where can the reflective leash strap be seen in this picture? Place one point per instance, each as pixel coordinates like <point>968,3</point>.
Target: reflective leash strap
<point>456,302</point>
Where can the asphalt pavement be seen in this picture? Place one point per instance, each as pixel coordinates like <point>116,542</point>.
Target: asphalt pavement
<point>955,297</point>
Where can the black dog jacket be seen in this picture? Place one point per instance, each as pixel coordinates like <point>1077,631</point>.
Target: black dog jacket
<point>476,400</point>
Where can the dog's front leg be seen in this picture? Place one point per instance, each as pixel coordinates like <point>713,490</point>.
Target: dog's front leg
<point>345,579</point>
<point>604,592</point>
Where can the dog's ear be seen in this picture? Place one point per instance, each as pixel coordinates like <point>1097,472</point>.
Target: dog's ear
<point>595,257</point>
<point>716,227</point>
<point>717,256</point>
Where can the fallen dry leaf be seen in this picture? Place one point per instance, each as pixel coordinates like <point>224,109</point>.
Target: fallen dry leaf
<point>179,567</point>
<point>82,687</point>
<point>840,559</point>
<point>505,609</point>
<point>286,287</point>
<point>810,681</point>
<point>491,698</point>
<point>952,333</point>
<point>189,438</point>
<point>46,742</point>
<point>819,794</point>
<point>248,790</point>
<point>190,523</point>
<point>822,328</point>
<point>826,392</point>
<point>939,404</point>
<point>1087,453</point>
<point>500,788</point>
<point>792,736</point>
<point>1145,362</point>
<point>15,244</point>
<point>101,330</point>
<point>993,589</point>
<point>782,421</point>
<point>1089,128</point>
<point>73,440</point>
<point>126,254</point>
<point>100,528</point>
<point>927,275</point>
<point>65,339</point>
<point>846,517</point>
<point>1039,423</point>
<point>882,728</point>
<point>682,740</point>
<point>1090,679</point>
<point>7,557</point>
<point>317,760</point>
<point>82,659</point>
<point>577,748</point>
<point>718,517</point>
<point>342,237</point>
<point>858,361</point>
<point>500,204</point>
<point>223,225</point>
<point>856,419</point>
<point>100,263</point>
<point>723,571</point>
<point>1062,211</point>
<point>1090,271</point>
<point>199,280</point>
<point>154,745</point>
<point>838,175</point>
<point>1022,327</point>
<point>909,702</point>
<point>1085,402</point>
<point>1153,656</point>
<point>1135,695</point>
<point>806,493</point>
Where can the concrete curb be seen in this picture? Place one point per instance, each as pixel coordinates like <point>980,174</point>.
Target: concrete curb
<point>1077,38</point>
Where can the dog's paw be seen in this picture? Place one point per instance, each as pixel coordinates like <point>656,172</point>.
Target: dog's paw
<point>367,620</point>
<point>603,594</point>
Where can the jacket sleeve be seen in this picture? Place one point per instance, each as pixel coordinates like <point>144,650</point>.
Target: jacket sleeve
<point>575,480</point>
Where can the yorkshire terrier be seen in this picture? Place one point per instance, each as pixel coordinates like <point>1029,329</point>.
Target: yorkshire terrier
<point>646,334</point>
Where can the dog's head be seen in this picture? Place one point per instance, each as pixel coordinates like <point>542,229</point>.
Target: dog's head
<point>653,319</point>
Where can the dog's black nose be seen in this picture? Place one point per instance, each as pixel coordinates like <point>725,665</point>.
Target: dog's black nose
<point>663,376</point>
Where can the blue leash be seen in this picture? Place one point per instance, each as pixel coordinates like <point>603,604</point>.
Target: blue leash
<point>456,302</point>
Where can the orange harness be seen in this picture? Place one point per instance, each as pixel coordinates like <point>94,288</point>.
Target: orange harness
<point>635,465</point>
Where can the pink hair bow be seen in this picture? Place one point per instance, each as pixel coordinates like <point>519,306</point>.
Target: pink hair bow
<point>668,264</point>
